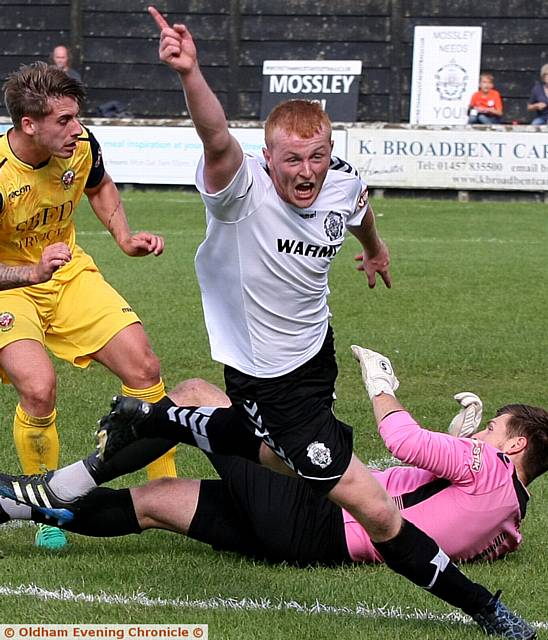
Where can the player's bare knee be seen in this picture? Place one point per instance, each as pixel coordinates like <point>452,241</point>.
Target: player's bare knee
<point>37,396</point>
<point>143,499</point>
<point>368,502</point>
<point>156,487</point>
<point>199,392</point>
<point>188,392</point>
<point>147,372</point>
<point>382,521</point>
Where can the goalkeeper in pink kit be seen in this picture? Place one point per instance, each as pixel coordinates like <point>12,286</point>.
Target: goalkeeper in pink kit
<point>474,486</point>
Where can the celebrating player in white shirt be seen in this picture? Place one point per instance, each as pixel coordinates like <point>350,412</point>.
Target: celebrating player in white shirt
<point>272,233</point>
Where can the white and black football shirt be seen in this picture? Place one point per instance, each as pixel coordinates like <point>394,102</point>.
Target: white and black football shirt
<point>263,266</point>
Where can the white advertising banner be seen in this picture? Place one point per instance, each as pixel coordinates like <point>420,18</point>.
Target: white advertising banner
<point>446,67</point>
<point>450,159</point>
<point>404,157</point>
<point>168,155</point>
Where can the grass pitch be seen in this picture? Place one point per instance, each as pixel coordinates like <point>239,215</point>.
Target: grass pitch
<point>467,311</point>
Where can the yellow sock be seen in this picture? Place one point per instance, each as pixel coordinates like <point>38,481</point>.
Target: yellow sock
<point>36,441</point>
<point>163,467</point>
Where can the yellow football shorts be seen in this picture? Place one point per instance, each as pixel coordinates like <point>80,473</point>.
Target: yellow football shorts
<point>72,319</point>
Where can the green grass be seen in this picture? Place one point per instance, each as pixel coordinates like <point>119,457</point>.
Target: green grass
<point>467,312</point>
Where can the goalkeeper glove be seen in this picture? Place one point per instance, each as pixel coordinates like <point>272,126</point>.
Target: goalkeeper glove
<point>377,372</point>
<point>468,419</point>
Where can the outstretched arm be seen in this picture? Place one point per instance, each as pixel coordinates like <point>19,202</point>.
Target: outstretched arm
<point>222,152</point>
<point>442,454</point>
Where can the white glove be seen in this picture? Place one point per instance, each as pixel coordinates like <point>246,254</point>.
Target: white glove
<point>377,372</point>
<point>468,419</point>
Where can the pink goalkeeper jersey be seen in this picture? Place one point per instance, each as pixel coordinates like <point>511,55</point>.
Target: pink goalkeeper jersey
<point>462,492</point>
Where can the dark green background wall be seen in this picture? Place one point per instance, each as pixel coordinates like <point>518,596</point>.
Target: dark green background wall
<point>115,46</point>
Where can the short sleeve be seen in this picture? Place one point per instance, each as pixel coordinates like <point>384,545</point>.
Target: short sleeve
<point>97,167</point>
<point>240,197</point>
<point>362,207</point>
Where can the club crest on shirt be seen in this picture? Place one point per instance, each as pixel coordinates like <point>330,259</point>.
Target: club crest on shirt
<point>67,179</point>
<point>7,320</point>
<point>333,225</point>
<point>319,454</point>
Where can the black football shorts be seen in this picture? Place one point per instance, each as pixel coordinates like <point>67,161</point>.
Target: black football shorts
<point>293,415</point>
<point>268,516</point>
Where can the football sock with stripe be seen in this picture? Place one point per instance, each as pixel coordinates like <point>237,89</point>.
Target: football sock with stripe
<point>216,430</point>
<point>418,558</point>
<point>36,441</point>
<point>212,429</point>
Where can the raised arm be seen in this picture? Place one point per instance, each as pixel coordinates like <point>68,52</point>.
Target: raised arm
<point>440,453</point>
<point>222,152</point>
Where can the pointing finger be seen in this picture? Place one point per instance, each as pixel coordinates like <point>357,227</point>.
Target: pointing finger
<point>161,22</point>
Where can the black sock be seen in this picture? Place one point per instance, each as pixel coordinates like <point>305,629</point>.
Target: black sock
<point>417,557</point>
<point>4,516</point>
<point>133,457</point>
<point>102,513</point>
<point>218,431</point>
<point>129,459</point>
<point>214,430</point>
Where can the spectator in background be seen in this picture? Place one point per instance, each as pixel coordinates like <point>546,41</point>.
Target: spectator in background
<point>486,104</point>
<point>60,56</point>
<point>538,102</point>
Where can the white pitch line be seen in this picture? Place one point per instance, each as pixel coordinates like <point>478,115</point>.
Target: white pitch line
<point>361,610</point>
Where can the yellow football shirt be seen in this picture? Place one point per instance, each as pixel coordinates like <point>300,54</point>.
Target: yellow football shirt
<point>38,205</point>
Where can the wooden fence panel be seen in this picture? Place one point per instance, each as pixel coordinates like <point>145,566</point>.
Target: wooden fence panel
<point>116,46</point>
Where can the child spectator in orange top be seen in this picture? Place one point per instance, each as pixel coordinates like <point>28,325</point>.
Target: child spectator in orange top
<point>486,104</point>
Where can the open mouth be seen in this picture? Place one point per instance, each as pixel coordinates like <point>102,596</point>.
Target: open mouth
<point>304,189</point>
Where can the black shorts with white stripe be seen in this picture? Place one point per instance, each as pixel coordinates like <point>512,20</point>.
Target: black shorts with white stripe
<point>293,416</point>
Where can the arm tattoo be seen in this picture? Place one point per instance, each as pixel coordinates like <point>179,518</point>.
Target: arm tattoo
<point>110,218</point>
<point>12,277</point>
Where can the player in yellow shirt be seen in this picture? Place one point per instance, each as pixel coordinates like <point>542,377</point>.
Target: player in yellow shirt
<point>52,295</point>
